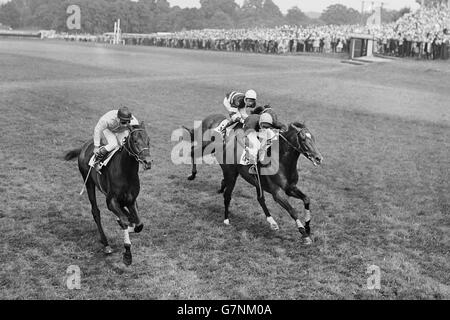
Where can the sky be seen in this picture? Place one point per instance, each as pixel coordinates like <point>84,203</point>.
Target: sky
<point>309,5</point>
<point>314,5</point>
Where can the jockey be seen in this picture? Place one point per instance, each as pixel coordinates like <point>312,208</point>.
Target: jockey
<point>236,103</point>
<point>109,126</point>
<point>268,109</point>
<point>266,124</point>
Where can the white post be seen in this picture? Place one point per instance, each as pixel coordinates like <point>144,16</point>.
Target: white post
<point>119,32</point>
<point>115,32</point>
<point>370,48</point>
<point>353,42</point>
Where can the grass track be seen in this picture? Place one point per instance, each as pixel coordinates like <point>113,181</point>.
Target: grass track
<point>382,196</point>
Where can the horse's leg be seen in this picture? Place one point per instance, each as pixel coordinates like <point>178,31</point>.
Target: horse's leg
<point>115,207</point>
<point>90,187</point>
<point>283,201</point>
<point>138,225</point>
<point>270,220</point>
<point>222,187</point>
<point>262,202</point>
<point>297,193</point>
<point>123,221</point>
<point>194,166</point>
<point>230,178</point>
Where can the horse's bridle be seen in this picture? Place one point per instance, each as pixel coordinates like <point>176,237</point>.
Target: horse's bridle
<point>131,149</point>
<point>302,150</point>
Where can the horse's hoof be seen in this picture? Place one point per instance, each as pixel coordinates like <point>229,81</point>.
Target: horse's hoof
<point>107,250</point>
<point>191,177</point>
<point>307,241</point>
<point>274,227</point>
<point>273,224</point>
<point>226,222</point>
<point>139,228</point>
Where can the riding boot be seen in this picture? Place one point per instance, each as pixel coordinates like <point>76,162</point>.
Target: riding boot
<point>100,156</point>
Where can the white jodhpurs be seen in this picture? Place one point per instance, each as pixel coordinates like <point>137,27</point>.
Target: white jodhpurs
<point>253,146</point>
<point>113,140</point>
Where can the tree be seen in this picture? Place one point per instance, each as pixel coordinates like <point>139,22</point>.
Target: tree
<point>188,19</point>
<point>260,13</point>
<point>210,7</point>
<point>10,15</point>
<point>388,16</point>
<point>401,13</point>
<point>295,16</point>
<point>220,20</point>
<point>219,13</point>
<point>271,14</point>
<point>339,14</point>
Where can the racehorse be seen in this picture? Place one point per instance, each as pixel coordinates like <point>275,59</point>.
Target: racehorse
<point>118,181</point>
<point>295,141</point>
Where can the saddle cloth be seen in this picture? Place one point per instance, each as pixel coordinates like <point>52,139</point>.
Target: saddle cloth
<point>258,149</point>
<point>105,161</point>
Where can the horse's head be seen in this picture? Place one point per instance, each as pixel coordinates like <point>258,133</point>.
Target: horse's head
<point>303,141</point>
<point>138,145</point>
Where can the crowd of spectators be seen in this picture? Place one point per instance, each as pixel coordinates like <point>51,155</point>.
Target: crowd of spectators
<point>421,34</point>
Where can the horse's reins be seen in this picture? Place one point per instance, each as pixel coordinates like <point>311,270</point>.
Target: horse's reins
<point>301,151</point>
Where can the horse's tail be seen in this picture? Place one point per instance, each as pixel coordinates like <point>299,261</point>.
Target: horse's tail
<point>191,132</point>
<point>72,154</point>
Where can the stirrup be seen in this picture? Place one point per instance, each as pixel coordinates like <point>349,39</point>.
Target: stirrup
<point>97,167</point>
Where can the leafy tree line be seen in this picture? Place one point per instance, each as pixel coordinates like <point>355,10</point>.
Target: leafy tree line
<point>147,16</point>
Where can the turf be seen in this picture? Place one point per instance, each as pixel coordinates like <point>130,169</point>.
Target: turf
<point>382,196</point>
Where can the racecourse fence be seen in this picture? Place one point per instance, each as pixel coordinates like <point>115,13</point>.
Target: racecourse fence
<point>402,48</point>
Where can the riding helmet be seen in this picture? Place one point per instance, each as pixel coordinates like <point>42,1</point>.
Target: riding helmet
<point>124,114</point>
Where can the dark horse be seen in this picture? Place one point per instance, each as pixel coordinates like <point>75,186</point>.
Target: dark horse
<point>118,181</point>
<point>296,141</point>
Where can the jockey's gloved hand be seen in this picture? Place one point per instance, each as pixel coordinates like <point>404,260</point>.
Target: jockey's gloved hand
<point>96,150</point>
<point>235,117</point>
<point>101,152</point>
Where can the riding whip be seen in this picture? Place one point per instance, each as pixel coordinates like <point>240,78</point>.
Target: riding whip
<point>85,181</point>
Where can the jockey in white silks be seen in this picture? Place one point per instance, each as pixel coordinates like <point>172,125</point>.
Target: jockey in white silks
<point>236,104</point>
<point>112,127</point>
<point>261,133</point>
<point>258,140</point>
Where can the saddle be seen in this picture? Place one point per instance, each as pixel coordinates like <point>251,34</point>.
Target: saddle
<point>98,165</point>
